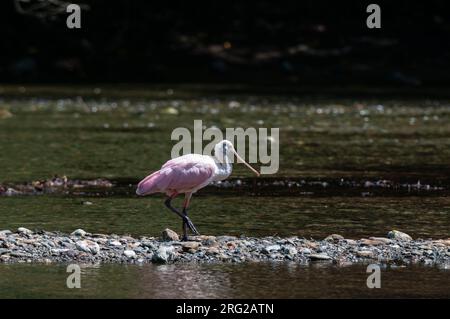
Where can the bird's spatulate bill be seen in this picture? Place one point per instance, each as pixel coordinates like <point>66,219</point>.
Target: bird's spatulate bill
<point>248,165</point>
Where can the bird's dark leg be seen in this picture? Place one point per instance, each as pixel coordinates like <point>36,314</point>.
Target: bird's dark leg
<point>173,209</point>
<point>186,221</point>
<point>185,226</point>
<point>184,217</point>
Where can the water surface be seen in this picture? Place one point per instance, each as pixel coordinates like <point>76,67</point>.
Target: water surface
<point>251,280</point>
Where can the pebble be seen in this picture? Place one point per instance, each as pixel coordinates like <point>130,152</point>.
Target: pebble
<point>395,234</point>
<point>115,243</point>
<point>210,242</point>
<point>371,242</point>
<point>213,251</point>
<point>290,251</point>
<point>88,246</point>
<point>79,233</point>
<point>190,246</point>
<point>365,253</point>
<point>319,257</point>
<point>23,230</point>
<point>170,235</point>
<point>334,237</point>
<point>305,251</point>
<point>163,255</point>
<point>129,254</point>
<point>271,248</point>
<point>381,239</point>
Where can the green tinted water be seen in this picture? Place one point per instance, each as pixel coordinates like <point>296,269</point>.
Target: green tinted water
<point>218,215</point>
<point>261,280</point>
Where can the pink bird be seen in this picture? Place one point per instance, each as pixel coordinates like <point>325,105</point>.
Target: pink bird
<point>189,173</point>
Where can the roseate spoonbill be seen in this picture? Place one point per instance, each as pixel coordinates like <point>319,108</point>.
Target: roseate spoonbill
<point>187,174</point>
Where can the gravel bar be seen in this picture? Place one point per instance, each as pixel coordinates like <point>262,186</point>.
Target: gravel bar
<point>26,246</point>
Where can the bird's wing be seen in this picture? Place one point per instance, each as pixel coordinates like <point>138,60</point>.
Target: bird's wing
<point>180,174</point>
<point>181,160</point>
<point>188,173</point>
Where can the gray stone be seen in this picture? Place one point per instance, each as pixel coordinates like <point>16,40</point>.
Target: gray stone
<point>319,257</point>
<point>88,246</point>
<point>79,232</point>
<point>381,239</point>
<point>11,192</point>
<point>211,242</point>
<point>290,250</point>
<point>190,246</point>
<point>365,253</point>
<point>129,254</point>
<point>334,237</point>
<point>271,248</point>
<point>212,251</point>
<point>23,230</point>
<point>398,235</point>
<point>170,235</point>
<point>115,243</point>
<point>222,239</point>
<point>305,251</point>
<point>163,255</point>
<point>149,244</point>
<point>58,251</point>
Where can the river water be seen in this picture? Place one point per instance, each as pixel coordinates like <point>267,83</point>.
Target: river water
<point>253,280</point>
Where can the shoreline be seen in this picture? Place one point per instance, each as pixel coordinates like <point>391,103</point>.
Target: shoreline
<point>26,246</point>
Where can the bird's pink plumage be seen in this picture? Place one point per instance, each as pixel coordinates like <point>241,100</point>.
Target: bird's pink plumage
<point>182,174</point>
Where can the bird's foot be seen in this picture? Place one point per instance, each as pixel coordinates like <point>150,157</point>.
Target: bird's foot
<point>191,225</point>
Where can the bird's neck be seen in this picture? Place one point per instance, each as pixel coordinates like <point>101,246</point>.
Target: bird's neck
<point>224,168</point>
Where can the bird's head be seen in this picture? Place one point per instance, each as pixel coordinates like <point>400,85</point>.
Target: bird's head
<point>225,149</point>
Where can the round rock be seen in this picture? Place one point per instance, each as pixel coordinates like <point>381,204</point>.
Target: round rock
<point>23,230</point>
<point>395,234</point>
<point>129,254</point>
<point>170,235</point>
<point>79,232</point>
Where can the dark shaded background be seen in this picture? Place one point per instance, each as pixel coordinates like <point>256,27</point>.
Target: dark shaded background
<point>300,42</point>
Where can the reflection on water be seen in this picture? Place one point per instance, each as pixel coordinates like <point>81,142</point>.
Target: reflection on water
<point>251,280</point>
